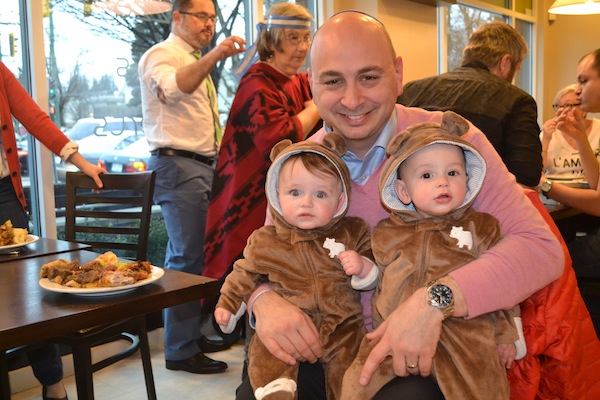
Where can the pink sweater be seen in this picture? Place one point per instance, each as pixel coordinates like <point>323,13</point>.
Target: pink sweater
<point>529,256</point>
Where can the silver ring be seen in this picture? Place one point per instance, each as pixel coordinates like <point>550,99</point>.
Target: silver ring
<point>411,366</point>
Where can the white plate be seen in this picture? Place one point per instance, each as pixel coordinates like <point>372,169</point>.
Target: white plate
<point>11,247</point>
<point>155,275</point>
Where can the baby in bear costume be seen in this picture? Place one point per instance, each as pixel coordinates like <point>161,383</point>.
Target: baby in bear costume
<point>433,230</point>
<point>312,256</point>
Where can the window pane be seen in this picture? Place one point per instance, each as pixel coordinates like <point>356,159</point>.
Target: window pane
<point>523,78</point>
<point>524,6</point>
<point>498,3</point>
<point>12,55</point>
<point>461,22</point>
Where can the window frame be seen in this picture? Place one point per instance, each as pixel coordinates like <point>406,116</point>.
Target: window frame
<point>510,16</point>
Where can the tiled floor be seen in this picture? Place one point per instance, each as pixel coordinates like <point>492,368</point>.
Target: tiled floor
<point>125,380</point>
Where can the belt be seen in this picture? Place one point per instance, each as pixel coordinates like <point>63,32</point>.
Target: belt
<point>165,151</point>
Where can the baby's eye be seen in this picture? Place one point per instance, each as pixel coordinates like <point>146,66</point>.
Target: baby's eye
<point>453,173</point>
<point>321,195</point>
<point>426,175</point>
<point>294,192</point>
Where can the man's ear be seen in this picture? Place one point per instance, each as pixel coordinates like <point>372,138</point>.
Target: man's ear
<point>503,68</point>
<point>401,191</point>
<point>399,72</point>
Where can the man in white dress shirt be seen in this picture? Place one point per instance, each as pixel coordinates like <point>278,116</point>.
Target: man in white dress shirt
<point>182,127</point>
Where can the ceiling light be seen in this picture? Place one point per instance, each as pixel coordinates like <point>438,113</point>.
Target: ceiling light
<point>133,7</point>
<point>575,7</point>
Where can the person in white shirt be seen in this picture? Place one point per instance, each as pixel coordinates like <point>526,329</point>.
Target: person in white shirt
<point>182,127</point>
<point>559,150</point>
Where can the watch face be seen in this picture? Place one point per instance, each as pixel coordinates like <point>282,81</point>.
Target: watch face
<point>546,186</point>
<point>441,295</point>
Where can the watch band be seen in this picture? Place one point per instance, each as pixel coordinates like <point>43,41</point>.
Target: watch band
<point>546,187</point>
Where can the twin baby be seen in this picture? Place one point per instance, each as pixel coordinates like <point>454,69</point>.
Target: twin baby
<point>320,260</point>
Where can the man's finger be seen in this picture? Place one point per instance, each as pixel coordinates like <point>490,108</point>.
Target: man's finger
<point>377,355</point>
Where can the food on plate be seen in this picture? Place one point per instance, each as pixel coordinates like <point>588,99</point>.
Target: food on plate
<point>11,235</point>
<point>106,270</point>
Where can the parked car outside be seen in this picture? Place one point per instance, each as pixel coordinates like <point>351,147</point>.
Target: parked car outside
<point>127,157</point>
<point>84,127</point>
<point>92,147</point>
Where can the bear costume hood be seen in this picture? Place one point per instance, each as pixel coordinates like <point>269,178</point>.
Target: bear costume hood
<point>332,149</point>
<point>419,136</point>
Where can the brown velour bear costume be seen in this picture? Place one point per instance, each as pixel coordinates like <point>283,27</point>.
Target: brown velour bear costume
<point>413,250</point>
<point>300,269</point>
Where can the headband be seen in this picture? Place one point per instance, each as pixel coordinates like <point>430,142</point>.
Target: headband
<point>274,21</point>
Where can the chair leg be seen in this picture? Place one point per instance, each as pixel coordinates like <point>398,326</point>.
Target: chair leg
<point>145,354</point>
<point>4,379</point>
<point>82,363</point>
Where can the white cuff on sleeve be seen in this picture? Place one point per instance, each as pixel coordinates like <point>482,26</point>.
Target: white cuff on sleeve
<point>368,282</point>
<point>520,344</point>
<point>69,149</point>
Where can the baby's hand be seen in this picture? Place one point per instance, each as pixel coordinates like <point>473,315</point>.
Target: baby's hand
<point>507,352</point>
<point>222,316</point>
<point>352,263</point>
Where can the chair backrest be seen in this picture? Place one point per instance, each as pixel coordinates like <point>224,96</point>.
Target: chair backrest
<point>116,218</point>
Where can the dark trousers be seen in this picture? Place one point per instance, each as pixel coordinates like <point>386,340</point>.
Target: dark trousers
<point>311,386</point>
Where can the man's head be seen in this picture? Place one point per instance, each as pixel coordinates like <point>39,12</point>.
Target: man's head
<point>355,77</point>
<point>194,21</point>
<point>588,77</point>
<point>499,47</point>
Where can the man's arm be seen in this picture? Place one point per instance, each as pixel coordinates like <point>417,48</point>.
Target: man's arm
<point>524,261</point>
<point>285,330</point>
<point>191,76</point>
<point>528,257</point>
<point>521,145</point>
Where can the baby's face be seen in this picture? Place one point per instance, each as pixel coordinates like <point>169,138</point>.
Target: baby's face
<point>434,179</point>
<point>308,200</point>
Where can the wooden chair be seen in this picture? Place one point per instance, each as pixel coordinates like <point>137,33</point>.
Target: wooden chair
<point>116,218</point>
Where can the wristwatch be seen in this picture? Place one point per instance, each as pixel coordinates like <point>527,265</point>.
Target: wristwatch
<point>440,297</point>
<point>546,187</point>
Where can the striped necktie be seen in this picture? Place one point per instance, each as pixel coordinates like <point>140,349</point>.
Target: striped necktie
<point>212,98</point>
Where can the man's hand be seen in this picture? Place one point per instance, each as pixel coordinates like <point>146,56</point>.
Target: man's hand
<point>229,47</point>
<point>285,330</point>
<point>410,335</point>
<point>571,125</point>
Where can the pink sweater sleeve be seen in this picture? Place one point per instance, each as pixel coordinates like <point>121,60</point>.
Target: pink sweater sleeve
<point>529,256</point>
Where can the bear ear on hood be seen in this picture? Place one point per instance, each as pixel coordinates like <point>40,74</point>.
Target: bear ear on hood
<point>279,147</point>
<point>335,142</point>
<point>454,123</point>
<point>397,141</point>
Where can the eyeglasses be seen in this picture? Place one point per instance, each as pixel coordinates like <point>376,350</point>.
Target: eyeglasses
<point>202,17</point>
<point>567,105</point>
<point>296,40</point>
